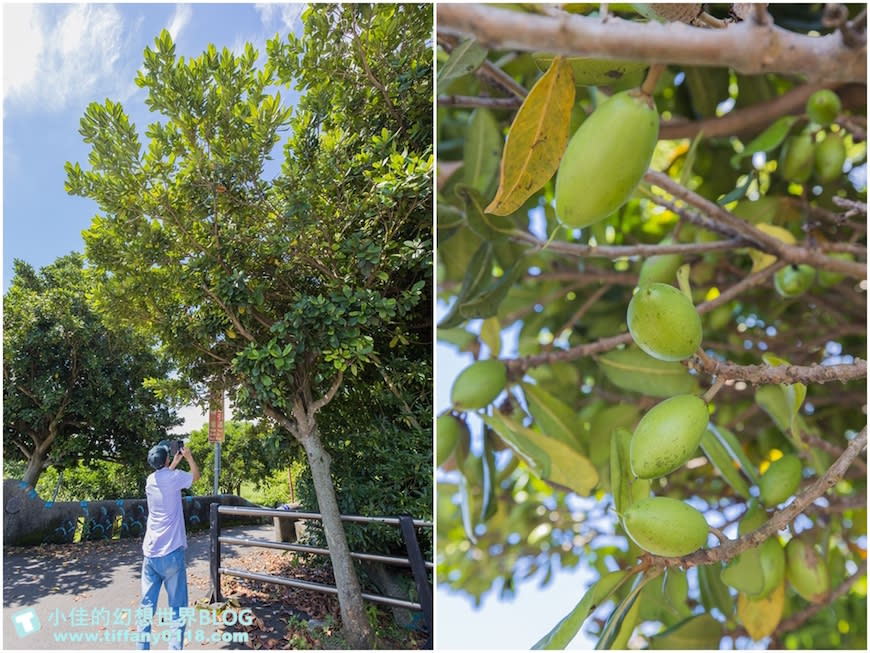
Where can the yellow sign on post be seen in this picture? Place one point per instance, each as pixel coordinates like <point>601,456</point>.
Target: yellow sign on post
<point>216,418</point>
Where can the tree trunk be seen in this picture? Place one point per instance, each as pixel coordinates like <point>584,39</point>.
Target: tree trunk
<point>35,465</point>
<point>357,628</point>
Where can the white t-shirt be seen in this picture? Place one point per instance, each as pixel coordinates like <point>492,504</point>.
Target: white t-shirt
<point>165,532</point>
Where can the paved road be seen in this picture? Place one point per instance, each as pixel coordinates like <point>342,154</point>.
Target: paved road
<point>80,592</point>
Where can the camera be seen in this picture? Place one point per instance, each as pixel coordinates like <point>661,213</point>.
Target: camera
<point>174,447</point>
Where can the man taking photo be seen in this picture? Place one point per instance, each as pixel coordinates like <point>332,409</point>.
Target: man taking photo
<point>165,538</point>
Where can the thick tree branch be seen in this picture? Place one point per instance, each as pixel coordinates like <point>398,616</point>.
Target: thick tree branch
<point>746,47</point>
<point>767,374</point>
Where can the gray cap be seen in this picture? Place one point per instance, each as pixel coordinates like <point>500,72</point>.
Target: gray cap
<point>158,454</point>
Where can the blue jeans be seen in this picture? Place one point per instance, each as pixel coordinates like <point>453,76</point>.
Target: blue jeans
<point>170,571</point>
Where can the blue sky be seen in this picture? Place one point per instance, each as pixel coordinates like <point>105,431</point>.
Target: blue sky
<point>59,58</point>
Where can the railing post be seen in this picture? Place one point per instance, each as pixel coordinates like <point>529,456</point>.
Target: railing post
<point>215,552</point>
<point>418,566</point>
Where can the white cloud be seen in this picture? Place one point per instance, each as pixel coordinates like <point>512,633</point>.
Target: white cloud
<point>180,19</point>
<point>22,43</point>
<point>57,54</point>
<point>288,14</point>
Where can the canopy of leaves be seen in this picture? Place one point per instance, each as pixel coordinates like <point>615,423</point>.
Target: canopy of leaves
<point>74,385</point>
<point>551,302</point>
<point>268,286</point>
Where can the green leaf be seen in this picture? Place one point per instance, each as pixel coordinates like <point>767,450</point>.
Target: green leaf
<point>554,417</point>
<point>483,146</point>
<point>769,139</point>
<point>478,273</point>
<point>477,220</point>
<point>554,462</point>
<point>689,162</point>
<point>732,444</point>
<point>465,59</point>
<point>773,401</point>
<point>622,620</point>
<point>537,139</point>
<point>721,459</point>
<point>486,302</point>
<point>566,630</point>
<point>697,632</point>
<point>635,370</point>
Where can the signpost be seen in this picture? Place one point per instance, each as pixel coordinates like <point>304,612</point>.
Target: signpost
<point>216,430</point>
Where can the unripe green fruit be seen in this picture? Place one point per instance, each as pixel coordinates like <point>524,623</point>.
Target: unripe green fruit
<point>663,322</point>
<point>665,527</point>
<point>807,572</point>
<point>794,280</point>
<point>668,435</point>
<point>796,159</point>
<point>606,159</point>
<point>661,268</point>
<point>780,480</point>
<point>828,278</point>
<point>823,107</point>
<point>478,384</point>
<point>448,431</point>
<point>830,155</point>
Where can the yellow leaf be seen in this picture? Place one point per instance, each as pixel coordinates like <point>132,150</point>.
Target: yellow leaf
<point>760,617</point>
<point>537,139</point>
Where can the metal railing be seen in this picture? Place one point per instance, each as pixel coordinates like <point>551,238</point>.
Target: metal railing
<point>419,566</point>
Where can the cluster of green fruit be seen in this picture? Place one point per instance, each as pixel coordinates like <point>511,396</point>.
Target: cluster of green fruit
<point>665,325</point>
<point>802,156</point>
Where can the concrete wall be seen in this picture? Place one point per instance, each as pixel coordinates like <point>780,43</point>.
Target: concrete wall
<point>29,520</point>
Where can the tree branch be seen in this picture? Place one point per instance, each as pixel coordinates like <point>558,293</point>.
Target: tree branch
<point>473,101</point>
<point>746,47</point>
<point>780,519</point>
<point>761,240</point>
<point>767,374</point>
<point>325,399</point>
<point>617,251</point>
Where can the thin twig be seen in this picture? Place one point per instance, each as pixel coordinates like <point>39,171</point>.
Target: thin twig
<point>473,101</point>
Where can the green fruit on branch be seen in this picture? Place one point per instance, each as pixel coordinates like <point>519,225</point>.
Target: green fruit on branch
<point>780,480</point>
<point>794,280</point>
<point>796,159</point>
<point>606,159</point>
<point>830,156</point>
<point>663,322</point>
<point>757,571</point>
<point>806,571</point>
<point>665,527</point>
<point>823,107</point>
<point>771,556</point>
<point>828,278</point>
<point>660,268</point>
<point>478,384</point>
<point>449,429</point>
<point>668,435</point>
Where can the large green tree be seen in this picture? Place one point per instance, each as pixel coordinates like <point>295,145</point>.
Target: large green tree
<point>74,385</point>
<point>757,184</point>
<point>274,288</point>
